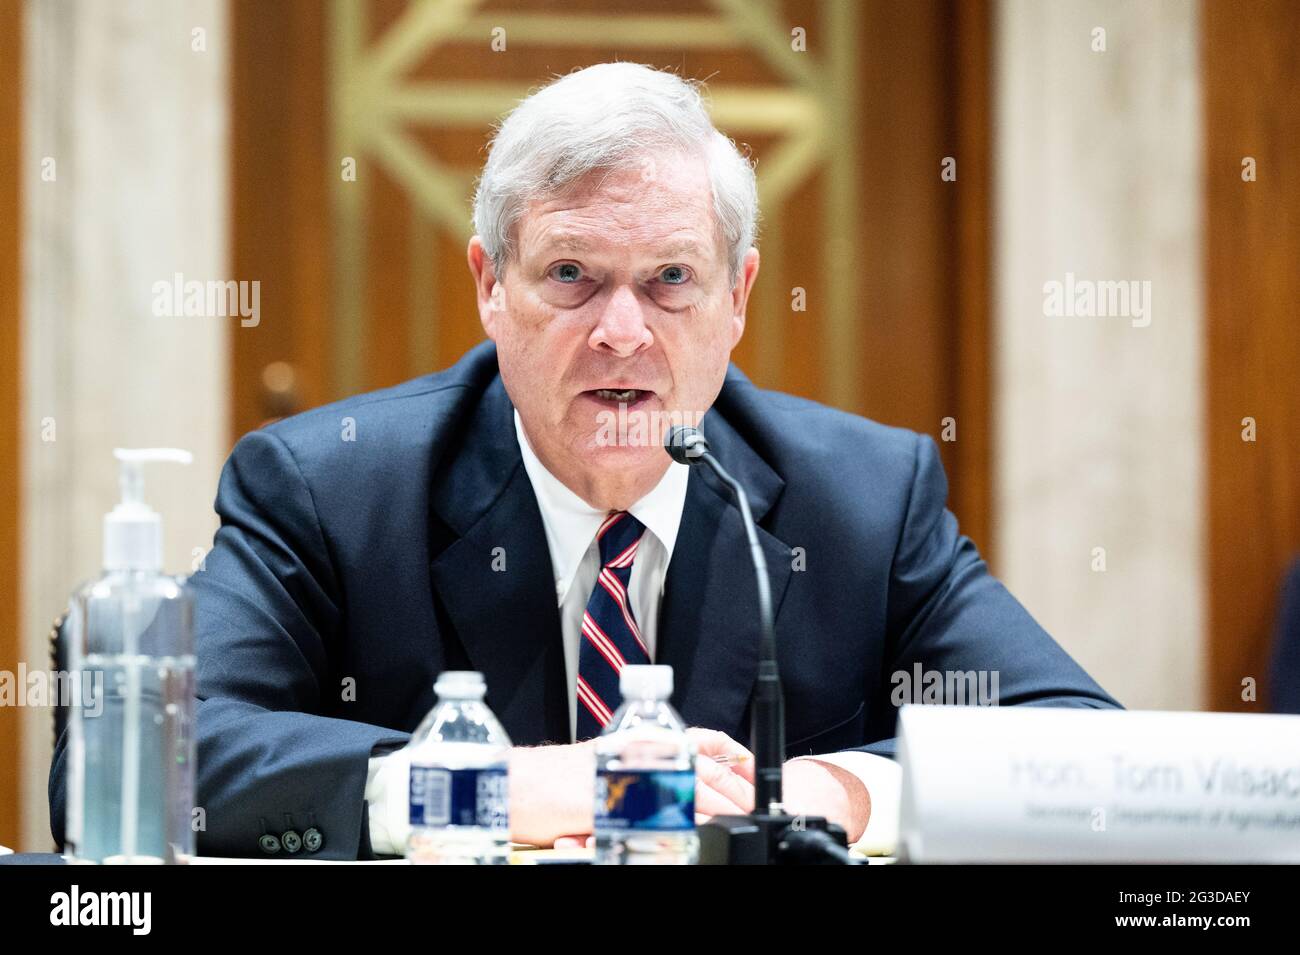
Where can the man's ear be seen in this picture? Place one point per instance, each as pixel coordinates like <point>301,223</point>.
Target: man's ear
<point>740,293</point>
<point>485,285</point>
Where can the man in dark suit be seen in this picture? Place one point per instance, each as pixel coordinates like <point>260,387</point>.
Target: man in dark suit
<point>463,521</point>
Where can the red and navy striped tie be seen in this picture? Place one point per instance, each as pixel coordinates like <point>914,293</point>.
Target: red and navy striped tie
<point>610,636</point>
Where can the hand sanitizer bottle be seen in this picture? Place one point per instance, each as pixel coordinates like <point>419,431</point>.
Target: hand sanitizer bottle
<point>131,653</point>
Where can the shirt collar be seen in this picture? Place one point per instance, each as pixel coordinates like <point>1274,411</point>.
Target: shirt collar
<point>571,523</point>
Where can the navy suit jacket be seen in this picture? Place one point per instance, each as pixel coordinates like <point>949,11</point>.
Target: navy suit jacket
<point>355,561</point>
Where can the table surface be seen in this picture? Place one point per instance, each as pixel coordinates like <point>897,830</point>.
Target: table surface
<point>517,857</point>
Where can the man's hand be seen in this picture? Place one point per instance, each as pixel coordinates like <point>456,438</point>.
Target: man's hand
<point>814,788</point>
<point>809,787</point>
<point>719,790</point>
<point>552,791</point>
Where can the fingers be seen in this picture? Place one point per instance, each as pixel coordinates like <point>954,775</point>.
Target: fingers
<point>732,785</point>
<point>709,802</point>
<point>714,743</point>
<point>720,780</point>
<point>744,768</point>
<point>720,790</point>
<point>575,842</point>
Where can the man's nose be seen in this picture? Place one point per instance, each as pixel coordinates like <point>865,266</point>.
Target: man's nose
<point>621,326</point>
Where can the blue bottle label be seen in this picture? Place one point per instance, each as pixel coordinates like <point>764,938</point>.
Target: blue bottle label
<point>658,799</point>
<point>460,797</point>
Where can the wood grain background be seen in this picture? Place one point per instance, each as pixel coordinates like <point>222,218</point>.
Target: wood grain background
<point>1251,56</point>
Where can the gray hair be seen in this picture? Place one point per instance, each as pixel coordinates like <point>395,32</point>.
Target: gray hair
<point>601,117</point>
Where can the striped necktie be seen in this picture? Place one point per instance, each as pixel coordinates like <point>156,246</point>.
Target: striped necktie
<point>610,636</point>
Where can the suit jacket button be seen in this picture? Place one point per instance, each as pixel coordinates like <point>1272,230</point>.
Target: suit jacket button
<point>270,844</point>
<point>312,839</point>
<point>291,840</point>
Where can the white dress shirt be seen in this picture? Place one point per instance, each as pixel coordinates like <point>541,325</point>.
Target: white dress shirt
<point>571,525</point>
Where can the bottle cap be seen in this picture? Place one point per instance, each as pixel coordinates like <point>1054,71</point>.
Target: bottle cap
<point>646,682</point>
<point>460,683</point>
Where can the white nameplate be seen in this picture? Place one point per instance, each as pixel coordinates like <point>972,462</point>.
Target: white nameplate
<point>1021,783</point>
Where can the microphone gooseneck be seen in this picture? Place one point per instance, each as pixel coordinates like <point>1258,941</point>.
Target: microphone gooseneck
<point>689,446</point>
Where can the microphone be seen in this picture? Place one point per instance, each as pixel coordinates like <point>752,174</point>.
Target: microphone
<point>688,446</point>
<point>769,834</point>
<point>685,445</point>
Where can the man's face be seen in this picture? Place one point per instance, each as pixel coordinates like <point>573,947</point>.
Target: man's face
<point>619,302</point>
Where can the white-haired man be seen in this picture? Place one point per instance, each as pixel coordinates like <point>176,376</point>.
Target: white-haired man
<point>469,524</point>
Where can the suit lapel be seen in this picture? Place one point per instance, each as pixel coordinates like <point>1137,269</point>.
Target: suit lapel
<point>495,580</point>
<point>708,627</point>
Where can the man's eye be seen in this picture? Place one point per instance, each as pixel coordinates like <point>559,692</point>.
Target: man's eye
<point>566,272</point>
<point>674,275</point>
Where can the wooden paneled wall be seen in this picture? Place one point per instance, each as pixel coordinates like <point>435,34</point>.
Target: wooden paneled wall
<point>1251,69</point>
<point>11,86</point>
<point>897,281</point>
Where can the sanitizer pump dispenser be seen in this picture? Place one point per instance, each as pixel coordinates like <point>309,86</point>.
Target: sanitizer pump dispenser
<point>130,747</point>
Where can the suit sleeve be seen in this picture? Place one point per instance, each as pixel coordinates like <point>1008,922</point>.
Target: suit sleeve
<point>268,609</point>
<point>948,613</point>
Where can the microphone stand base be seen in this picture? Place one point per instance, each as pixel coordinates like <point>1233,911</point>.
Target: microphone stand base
<point>772,839</point>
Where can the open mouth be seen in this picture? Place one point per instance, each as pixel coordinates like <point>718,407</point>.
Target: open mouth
<point>620,396</point>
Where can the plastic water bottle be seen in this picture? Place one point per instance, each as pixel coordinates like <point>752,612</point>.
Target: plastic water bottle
<point>459,786</point>
<point>645,777</point>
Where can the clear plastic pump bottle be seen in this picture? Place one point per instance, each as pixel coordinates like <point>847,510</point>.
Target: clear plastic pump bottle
<point>131,654</point>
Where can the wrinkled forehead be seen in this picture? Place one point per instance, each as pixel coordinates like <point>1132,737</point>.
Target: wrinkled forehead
<point>657,204</point>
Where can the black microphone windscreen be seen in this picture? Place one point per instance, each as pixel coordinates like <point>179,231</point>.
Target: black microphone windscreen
<point>685,445</point>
